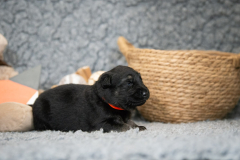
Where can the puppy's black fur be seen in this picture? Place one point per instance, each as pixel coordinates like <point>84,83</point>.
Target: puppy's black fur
<point>82,107</point>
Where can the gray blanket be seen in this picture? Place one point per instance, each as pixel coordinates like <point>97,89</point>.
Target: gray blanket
<point>201,140</point>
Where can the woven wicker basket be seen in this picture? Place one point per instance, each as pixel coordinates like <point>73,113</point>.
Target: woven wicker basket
<point>185,85</point>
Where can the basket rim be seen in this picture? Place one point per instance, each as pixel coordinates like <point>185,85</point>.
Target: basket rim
<point>196,52</point>
<point>127,48</point>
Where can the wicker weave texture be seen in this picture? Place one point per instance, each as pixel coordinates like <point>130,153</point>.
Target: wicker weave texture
<point>185,86</point>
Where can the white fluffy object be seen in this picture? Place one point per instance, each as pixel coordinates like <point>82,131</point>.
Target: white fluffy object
<point>72,79</point>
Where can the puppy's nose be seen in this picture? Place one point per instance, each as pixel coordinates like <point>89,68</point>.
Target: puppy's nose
<point>144,93</point>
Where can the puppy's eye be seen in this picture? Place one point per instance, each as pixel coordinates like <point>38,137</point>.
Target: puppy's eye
<point>129,84</point>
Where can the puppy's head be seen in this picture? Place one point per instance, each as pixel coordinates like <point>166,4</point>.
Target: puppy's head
<point>122,87</point>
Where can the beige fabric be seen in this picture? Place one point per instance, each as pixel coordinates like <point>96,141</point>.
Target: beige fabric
<point>3,44</point>
<point>94,77</point>
<point>15,117</point>
<point>7,72</point>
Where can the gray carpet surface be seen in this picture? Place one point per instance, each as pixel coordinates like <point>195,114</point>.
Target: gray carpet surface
<point>202,140</point>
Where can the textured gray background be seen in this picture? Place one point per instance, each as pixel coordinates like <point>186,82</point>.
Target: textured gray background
<point>65,35</point>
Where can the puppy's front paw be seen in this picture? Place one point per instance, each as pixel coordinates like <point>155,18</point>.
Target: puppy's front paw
<point>142,128</point>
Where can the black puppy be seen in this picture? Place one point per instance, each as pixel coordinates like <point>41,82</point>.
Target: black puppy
<point>107,104</point>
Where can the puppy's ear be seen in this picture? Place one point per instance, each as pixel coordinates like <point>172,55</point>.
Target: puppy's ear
<point>106,81</point>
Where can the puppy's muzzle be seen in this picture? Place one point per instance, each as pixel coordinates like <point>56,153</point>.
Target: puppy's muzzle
<point>143,94</point>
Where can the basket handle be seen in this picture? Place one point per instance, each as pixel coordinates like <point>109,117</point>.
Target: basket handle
<point>236,61</point>
<point>234,57</point>
<point>124,46</point>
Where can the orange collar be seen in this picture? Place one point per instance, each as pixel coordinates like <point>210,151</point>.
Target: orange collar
<point>114,107</point>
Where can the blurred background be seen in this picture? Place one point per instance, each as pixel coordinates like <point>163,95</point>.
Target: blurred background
<point>63,36</point>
